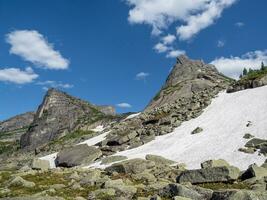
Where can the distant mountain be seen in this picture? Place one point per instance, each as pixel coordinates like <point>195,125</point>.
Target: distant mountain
<point>60,114</point>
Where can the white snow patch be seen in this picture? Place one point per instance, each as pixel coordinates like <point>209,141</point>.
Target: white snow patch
<point>95,140</point>
<point>132,116</point>
<point>224,125</point>
<point>98,128</point>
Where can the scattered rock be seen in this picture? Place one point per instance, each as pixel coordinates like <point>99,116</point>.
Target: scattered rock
<point>249,150</point>
<point>239,195</point>
<point>20,182</point>
<point>254,171</point>
<point>214,163</point>
<point>209,175</point>
<point>248,136</point>
<point>159,160</point>
<point>77,155</point>
<point>197,130</point>
<point>112,159</point>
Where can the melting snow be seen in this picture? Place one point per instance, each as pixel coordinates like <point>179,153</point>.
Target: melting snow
<point>132,116</point>
<point>224,125</point>
<point>98,128</point>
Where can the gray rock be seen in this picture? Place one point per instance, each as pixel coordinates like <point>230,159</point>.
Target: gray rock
<point>239,195</point>
<point>248,136</point>
<point>159,159</point>
<point>249,150</point>
<point>255,143</point>
<point>133,166</point>
<point>20,182</point>
<point>197,130</point>
<point>214,163</point>
<point>209,175</point>
<point>77,155</point>
<point>39,164</point>
<point>254,171</point>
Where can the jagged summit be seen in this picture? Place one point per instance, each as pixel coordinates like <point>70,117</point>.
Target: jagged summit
<point>187,77</point>
<point>58,115</point>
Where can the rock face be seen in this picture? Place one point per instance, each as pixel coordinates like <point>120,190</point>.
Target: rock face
<point>77,155</point>
<point>18,125</point>
<point>58,115</point>
<point>248,84</point>
<point>186,78</point>
<point>209,175</point>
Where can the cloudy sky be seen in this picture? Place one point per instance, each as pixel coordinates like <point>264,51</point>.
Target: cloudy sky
<point>119,52</point>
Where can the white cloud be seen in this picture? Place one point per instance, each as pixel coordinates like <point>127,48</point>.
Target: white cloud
<point>175,53</point>
<point>160,14</point>
<point>124,105</point>
<point>15,75</point>
<point>240,24</point>
<point>141,76</point>
<point>234,66</point>
<point>33,47</point>
<point>161,48</point>
<point>168,39</point>
<point>220,43</point>
<point>54,84</point>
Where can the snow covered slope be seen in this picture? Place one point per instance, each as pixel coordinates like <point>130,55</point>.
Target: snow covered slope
<point>224,125</point>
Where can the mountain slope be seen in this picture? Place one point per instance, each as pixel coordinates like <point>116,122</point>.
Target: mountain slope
<point>224,124</point>
<point>59,115</point>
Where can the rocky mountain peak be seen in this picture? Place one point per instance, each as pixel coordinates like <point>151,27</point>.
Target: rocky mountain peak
<point>58,115</point>
<point>187,77</point>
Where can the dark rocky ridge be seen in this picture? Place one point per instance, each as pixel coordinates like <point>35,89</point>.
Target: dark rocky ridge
<point>58,115</point>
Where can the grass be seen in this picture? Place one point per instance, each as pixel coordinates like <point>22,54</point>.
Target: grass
<point>8,147</point>
<point>5,134</point>
<point>254,74</point>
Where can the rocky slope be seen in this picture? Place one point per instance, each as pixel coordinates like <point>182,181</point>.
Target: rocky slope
<point>59,115</point>
<point>188,90</point>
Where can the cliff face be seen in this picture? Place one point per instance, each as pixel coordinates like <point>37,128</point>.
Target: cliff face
<point>186,78</point>
<point>58,115</point>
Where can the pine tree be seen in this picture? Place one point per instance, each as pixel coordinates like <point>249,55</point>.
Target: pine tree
<point>240,76</point>
<point>262,66</point>
<point>245,71</point>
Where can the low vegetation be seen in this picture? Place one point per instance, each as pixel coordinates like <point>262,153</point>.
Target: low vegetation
<point>220,186</point>
<point>252,74</point>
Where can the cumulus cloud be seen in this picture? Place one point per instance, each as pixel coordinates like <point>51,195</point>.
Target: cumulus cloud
<point>17,76</point>
<point>141,76</point>
<point>233,66</point>
<point>168,39</point>
<point>124,105</point>
<point>220,43</point>
<point>161,48</point>
<point>195,15</point>
<point>33,47</point>
<point>175,53</point>
<point>54,84</point>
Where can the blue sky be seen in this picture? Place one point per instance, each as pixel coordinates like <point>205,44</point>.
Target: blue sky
<point>116,52</point>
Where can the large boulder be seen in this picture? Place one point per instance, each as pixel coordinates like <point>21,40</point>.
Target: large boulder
<point>254,171</point>
<point>209,175</point>
<point>239,195</point>
<point>18,181</point>
<point>77,155</point>
<point>214,163</point>
<point>133,166</point>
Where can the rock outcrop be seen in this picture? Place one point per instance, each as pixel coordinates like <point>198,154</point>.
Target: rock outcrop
<point>186,78</point>
<point>58,115</point>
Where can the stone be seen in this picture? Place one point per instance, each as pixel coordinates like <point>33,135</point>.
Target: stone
<point>181,198</point>
<point>132,166</point>
<point>197,130</point>
<point>209,175</point>
<point>239,195</point>
<point>39,164</point>
<point>97,194</point>
<point>248,136</point>
<point>111,159</point>
<point>57,186</point>
<point>255,143</point>
<point>144,177</point>
<point>214,163</point>
<point>120,188</point>
<point>77,155</point>
<point>159,160</point>
<point>254,171</point>
<point>20,182</point>
<point>249,150</point>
